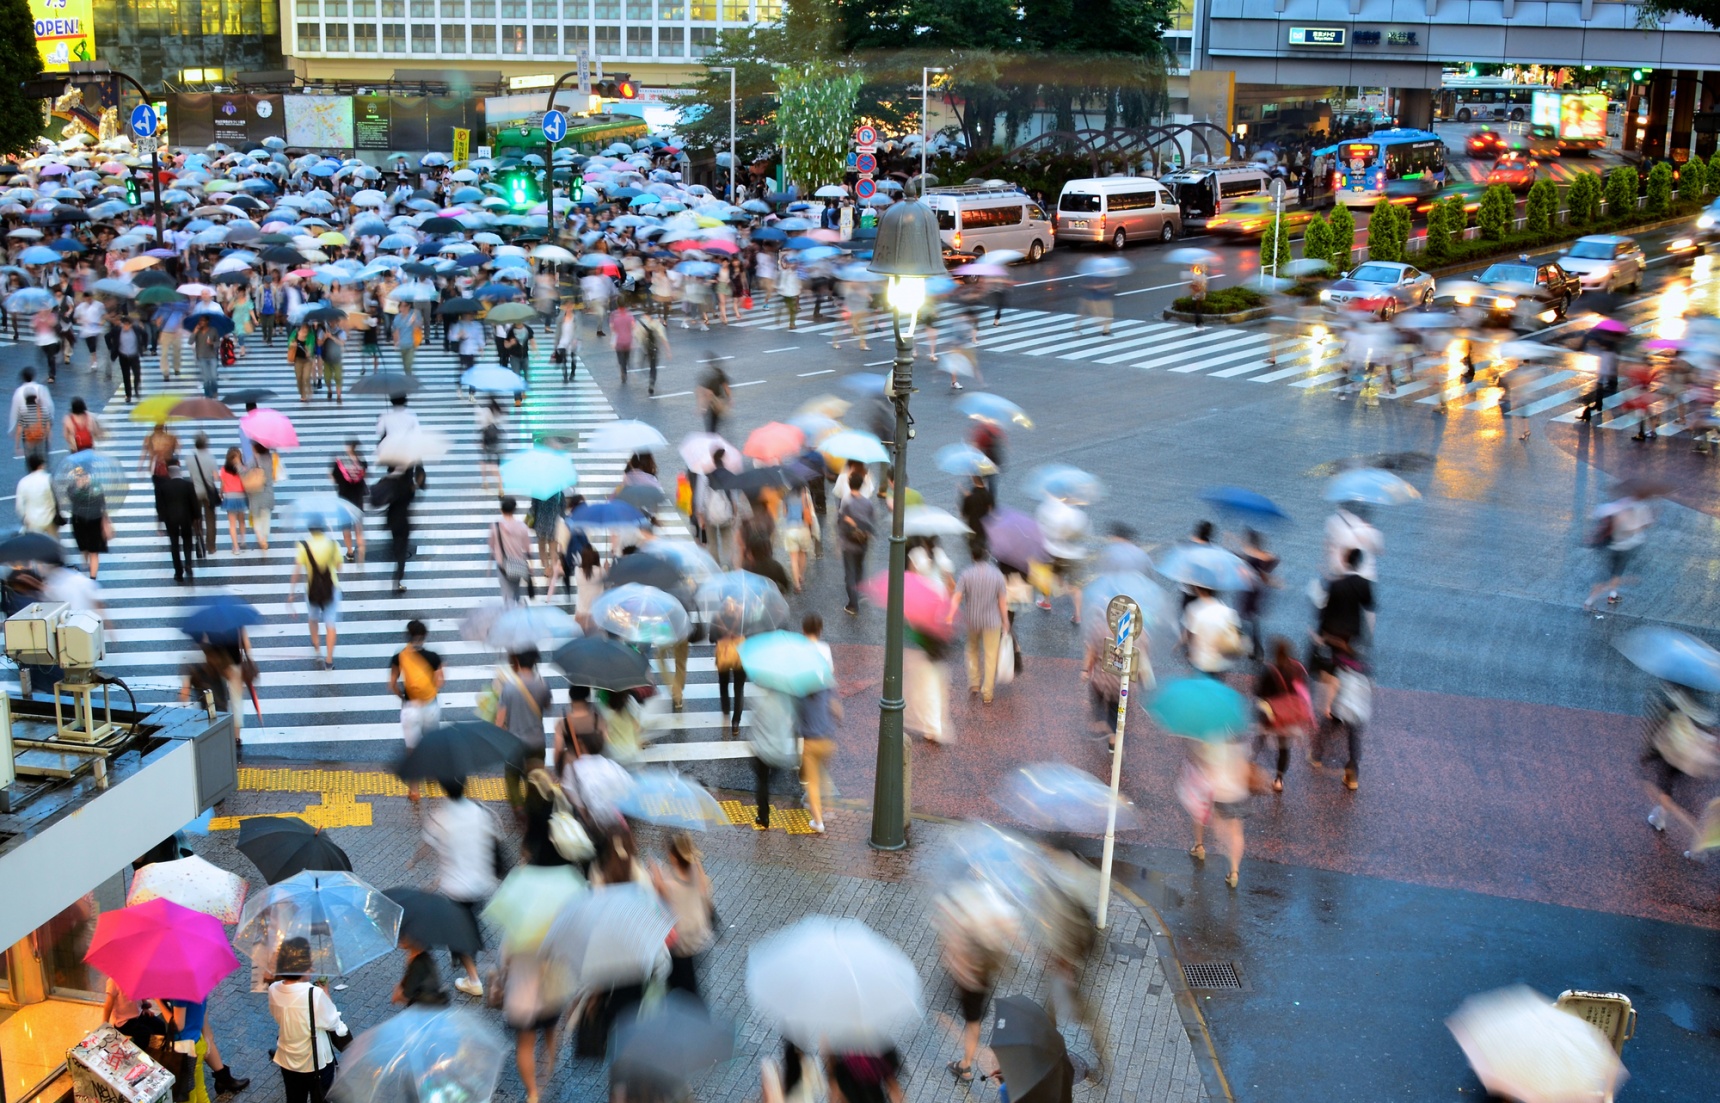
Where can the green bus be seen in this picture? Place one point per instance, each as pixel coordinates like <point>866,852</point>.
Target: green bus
<point>588,134</point>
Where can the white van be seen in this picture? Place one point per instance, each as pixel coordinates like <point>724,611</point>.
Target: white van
<point>1118,210</point>
<point>975,219</point>
<point>1201,190</point>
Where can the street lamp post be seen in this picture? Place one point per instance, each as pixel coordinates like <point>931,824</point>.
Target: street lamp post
<point>102,68</point>
<point>925,134</point>
<point>730,69</point>
<point>549,171</point>
<point>908,252</point>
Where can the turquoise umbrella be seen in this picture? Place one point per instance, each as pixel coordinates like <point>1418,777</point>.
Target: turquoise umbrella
<point>787,662</point>
<point>1200,708</point>
<point>538,473</point>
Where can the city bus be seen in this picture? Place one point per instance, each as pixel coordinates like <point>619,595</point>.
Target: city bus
<point>1491,99</point>
<point>1399,164</point>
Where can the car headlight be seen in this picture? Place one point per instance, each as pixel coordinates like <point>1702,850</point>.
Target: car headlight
<point>1465,300</point>
<point>1705,222</point>
<point>1505,302</point>
<point>1679,244</point>
<point>1325,296</point>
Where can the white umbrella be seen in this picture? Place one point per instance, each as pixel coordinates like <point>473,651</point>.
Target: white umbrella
<point>831,191</point>
<point>191,883</point>
<point>867,987</point>
<point>412,447</point>
<point>932,521</point>
<point>555,254</point>
<point>852,444</point>
<point>1523,1047</point>
<point>1188,254</point>
<point>629,437</point>
<point>610,937</point>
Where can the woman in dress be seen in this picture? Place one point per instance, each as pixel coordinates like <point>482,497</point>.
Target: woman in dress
<point>259,483</point>
<point>233,498</point>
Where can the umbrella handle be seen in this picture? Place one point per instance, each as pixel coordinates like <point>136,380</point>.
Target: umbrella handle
<point>256,704</point>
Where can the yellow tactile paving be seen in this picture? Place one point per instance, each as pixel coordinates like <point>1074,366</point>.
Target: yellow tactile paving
<point>795,821</point>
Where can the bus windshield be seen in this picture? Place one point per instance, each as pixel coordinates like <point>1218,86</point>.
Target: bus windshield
<point>1358,154</point>
<point>1080,202</point>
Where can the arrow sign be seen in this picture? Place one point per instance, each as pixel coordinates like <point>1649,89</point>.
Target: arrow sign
<point>1125,629</point>
<point>143,121</point>
<point>554,125</point>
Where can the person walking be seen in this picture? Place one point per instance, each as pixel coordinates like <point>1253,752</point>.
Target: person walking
<point>1351,709</point>
<point>348,473</point>
<point>205,352</point>
<point>1621,529</point>
<point>45,332</point>
<point>816,717</point>
<point>204,471</point>
<point>259,481</point>
<point>1212,633</point>
<point>394,493</point>
<point>566,353</point>
<point>415,675</point>
<point>318,561</point>
<point>521,698</point>
<point>510,551</point>
<point>855,520</point>
<point>621,326</point>
<point>713,395</point>
<point>33,431</point>
<point>408,334</point>
<point>1284,698</point>
<point>181,514</point>
<point>976,929</point>
<point>981,588</point>
<point>91,527</point>
<point>925,666</point>
<point>268,303</point>
<point>464,838</point>
<point>686,891</point>
<point>799,520</point>
<point>331,350</point>
<point>127,349</point>
<point>38,510</point>
<point>305,1018</point>
<point>233,500</point>
<point>1252,609</point>
<point>492,423</point>
<point>1214,790</point>
<point>655,342</point>
<point>302,355</point>
<point>81,429</point>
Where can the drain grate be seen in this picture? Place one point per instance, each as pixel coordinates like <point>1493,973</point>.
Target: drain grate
<point>1211,974</point>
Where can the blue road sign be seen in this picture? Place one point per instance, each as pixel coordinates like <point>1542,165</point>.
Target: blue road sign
<point>554,125</point>
<point>143,121</point>
<point>1125,629</point>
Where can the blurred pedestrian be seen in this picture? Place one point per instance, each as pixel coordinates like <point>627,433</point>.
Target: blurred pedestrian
<point>713,395</point>
<point>420,982</point>
<point>1214,790</point>
<point>348,473</point>
<point>492,423</point>
<point>1105,681</point>
<point>1621,529</point>
<point>976,930</point>
<point>510,552</point>
<point>416,677</point>
<point>1348,528</point>
<point>1351,709</point>
<point>1252,609</point>
<point>91,526</point>
<point>206,352</point>
<point>1286,704</point>
<point>259,483</point>
<point>566,351</point>
<point>1346,620</point>
<point>205,474</point>
<point>233,499</point>
<point>686,891</point>
<point>1212,633</point>
<point>621,327</point>
<point>522,696</point>
<point>33,499</point>
<point>1681,751</point>
<point>816,717</point>
<point>981,589</point>
<point>856,519</point>
<point>464,837</point>
<point>394,493</point>
<point>318,561</point>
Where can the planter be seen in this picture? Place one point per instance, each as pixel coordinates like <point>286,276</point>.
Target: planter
<point>1236,318</point>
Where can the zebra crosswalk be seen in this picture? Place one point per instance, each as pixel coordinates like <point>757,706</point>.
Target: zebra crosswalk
<point>448,575</point>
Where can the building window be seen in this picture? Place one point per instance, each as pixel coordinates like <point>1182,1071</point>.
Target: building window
<point>672,42</point>
<point>606,9</point>
<point>704,41</point>
<point>546,11</point>
<point>513,9</point>
<point>546,40</point>
<point>424,38</point>
<point>393,9</point>
<point>453,9</point>
<point>334,38</point>
<point>310,37</point>
<point>608,41</point>
<point>394,38</point>
<point>483,39</point>
<point>334,7</point>
<point>638,41</point>
<point>424,10</point>
<point>307,8</point>
<point>639,11</point>
<point>453,38</point>
<point>364,38</point>
<point>364,9</point>
<point>769,11</point>
<point>513,38</point>
<point>671,9</point>
<point>704,11</point>
<point>576,9</point>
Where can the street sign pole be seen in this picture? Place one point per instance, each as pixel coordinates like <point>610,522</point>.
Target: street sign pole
<point>1125,619</point>
<point>554,129</point>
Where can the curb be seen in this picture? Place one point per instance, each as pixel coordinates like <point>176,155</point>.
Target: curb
<point>1237,318</point>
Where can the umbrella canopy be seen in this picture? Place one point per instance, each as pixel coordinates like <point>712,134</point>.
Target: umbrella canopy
<point>1200,708</point>
<point>740,603</point>
<point>322,511</point>
<point>774,442</point>
<point>964,459</point>
<point>160,950</point>
<point>31,547</point>
<point>83,475</point>
<point>1014,538</point>
<point>344,922</point>
<point>641,614</point>
<point>1030,1052</point>
<point>611,936</point>
<point>390,383</point>
<point>514,628</point>
<point>613,515</point>
<point>787,662</point>
<point>413,446</point>
<point>538,473</point>
<point>925,605</point>
<point>511,312</point>
<point>221,617</point>
<point>1523,1047</point>
<point>1248,505</point>
<point>851,444</point>
<point>201,409</point>
<point>432,920</point>
<point>527,902</point>
<point>1672,656</point>
<point>867,987</point>
<point>284,846</point>
<point>193,883</point>
<point>493,379</point>
<point>670,799</point>
<point>1370,485</point>
<point>423,1055</point>
<point>629,437</point>
<point>698,452</point>
<point>155,408</point>
<point>1206,566</point>
<point>269,428</point>
<point>1054,796</point>
<point>602,664</point>
<point>1065,483</point>
<point>660,1049</point>
<point>931,521</point>
<point>457,751</point>
<point>995,409</point>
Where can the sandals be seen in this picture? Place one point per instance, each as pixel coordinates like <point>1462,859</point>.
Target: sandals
<point>1198,852</point>
<point>962,1073</point>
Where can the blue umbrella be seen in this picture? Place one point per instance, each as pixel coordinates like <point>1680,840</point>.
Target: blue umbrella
<point>1244,502</point>
<point>65,245</point>
<point>538,473</point>
<point>1054,796</point>
<point>123,288</point>
<point>28,300</point>
<point>769,233</point>
<point>756,206</point>
<point>1065,483</point>
<point>39,254</point>
<point>1200,708</point>
<point>851,444</point>
<point>1156,608</point>
<point>697,268</point>
<point>982,406</point>
<point>323,511</point>
<point>798,243</point>
<point>220,618</point>
<point>1206,566</point>
<point>787,662</point>
<point>865,384</point>
<point>1370,485</point>
<point>609,514</point>
<point>666,798</point>
<point>492,379</point>
<point>496,291</point>
<point>1673,656</point>
<point>964,459</point>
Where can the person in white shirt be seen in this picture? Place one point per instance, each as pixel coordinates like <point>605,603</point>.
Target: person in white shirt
<point>463,836</point>
<point>90,318</point>
<point>1347,529</point>
<point>396,419</point>
<point>304,1053</point>
<point>34,499</point>
<point>28,386</point>
<point>1213,633</point>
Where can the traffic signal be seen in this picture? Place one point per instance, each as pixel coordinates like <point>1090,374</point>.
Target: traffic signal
<point>619,87</point>
<point>520,189</point>
<point>576,189</point>
<point>132,197</point>
<point>1636,74</point>
<point>44,87</point>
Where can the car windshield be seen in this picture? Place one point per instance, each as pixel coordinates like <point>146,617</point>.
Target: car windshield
<point>1591,250</point>
<point>1500,273</point>
<point>1375,273</point>
<point>946,218</point>
<point>1080,202</point>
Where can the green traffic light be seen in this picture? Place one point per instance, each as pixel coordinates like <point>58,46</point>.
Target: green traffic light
<point>131,194</point>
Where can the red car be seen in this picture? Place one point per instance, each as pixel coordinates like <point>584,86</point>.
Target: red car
<point>1485,143</point>
<point>1514,171</point>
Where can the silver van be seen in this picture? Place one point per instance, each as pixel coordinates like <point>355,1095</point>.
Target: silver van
<point>976,219</point>
<point>1117,210</point>
<point>1202,190</point>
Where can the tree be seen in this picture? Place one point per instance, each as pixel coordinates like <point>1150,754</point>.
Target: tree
<point>1456,217</point>
<point>1438,246</point>
<point>1659,190</point>
<point>1543,205</point>
<point>1275,246</point>
<point>1497,208</point>
<point>20,119</point>
<point>814,120</point>
<point>1621,192</point>
<point>1317,240</point>
<point>1714,173</point>
<point>1388,229</point>
<point>1584,198</point>
<point>1693,180</point>
<point>1342,244</point>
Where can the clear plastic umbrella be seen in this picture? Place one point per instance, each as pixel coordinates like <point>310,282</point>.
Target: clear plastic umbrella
<point>344,922</point>
<point>423,1055</point>
<point>641,614</point>
<point>90,478</point>
<point>925,520</point>
<point>1371,486</point>
<point>1523,1047</point>
<point>669,799</point>
<point>868,989</point>
<point>528,900</point>
<point>1205,566</point>
<point>1054,796</point>
<point>626,437</point>
<point>741,603</point>
<point>1673,656</point>
<point>515,628</point>
<point>612,936</point>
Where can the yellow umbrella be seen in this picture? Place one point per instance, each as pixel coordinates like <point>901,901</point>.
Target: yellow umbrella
<point>332,238</point>
<point>527,902</point>
<point>138,264</point>
<point>156,408</point>
<point>706,222</point>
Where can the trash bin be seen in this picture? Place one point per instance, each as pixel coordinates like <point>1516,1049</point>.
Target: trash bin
<point>107,1067</point>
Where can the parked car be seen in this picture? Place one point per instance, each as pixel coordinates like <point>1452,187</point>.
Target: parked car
<point>1515,171</point>
<point>1605,262</point>
<point>1381,287</point>
<point>1251,215</point>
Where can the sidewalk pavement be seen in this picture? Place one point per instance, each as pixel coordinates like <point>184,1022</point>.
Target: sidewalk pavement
<point>763,880</point>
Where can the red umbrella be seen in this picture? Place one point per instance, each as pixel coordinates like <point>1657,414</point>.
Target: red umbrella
<point>774,442</point>
<point>269,428</point>
<point>159,950</point>
<point>925,606</point>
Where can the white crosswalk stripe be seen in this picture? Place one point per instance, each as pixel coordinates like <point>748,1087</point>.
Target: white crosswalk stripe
<point>449,573</point>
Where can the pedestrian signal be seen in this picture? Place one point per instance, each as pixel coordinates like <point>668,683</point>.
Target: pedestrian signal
<point>520,189</point>
<point>576,189</point>
<point>131,193</point>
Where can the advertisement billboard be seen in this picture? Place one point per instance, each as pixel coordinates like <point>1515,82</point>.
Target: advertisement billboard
<point>65,32</point>
<point>239,121</point>
<point>1571,116</point>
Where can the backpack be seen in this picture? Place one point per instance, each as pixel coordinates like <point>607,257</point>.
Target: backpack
<point>34,427</point>
<point>229,352</point>
<point>684,494</point>
<point>319,586</point>
<point>416,676</point>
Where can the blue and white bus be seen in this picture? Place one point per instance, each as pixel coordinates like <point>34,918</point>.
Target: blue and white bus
<point>1398,164</point>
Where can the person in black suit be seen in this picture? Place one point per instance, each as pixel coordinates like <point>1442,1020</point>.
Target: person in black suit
<point>176,502</point>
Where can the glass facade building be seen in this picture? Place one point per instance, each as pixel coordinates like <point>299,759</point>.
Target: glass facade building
<point>188,41</point>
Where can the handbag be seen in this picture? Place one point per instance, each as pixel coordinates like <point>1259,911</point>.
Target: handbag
<point>1005,659</point>
<point>728,654</point>
<point>1290,712</point>
<point>567,834</point>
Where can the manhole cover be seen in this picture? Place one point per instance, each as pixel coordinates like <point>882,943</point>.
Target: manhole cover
<point>1399,462</point>
<point>1211,974</point>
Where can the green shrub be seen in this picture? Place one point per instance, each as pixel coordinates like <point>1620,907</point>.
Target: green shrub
<point>1388,228</point>
<point>1438,233</point>
<point>1275,246</point>
<point>1341,243</point>
<point>1584,198</point>
<point>1226,300</point>
<point>1456,217</point>
<point>1693,179</point>
<point>1495,215</point>
<point>1543,205</point>
<point>1621,192</point>
<point>1714,173</point>
<point>1659,190</point>
<point>1317,240</point>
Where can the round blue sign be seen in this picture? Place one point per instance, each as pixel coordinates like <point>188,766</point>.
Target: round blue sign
<point>554,125</point>
<point>143,121</point>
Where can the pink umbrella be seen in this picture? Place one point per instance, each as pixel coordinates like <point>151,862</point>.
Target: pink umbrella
<point>159,950</point>
<point>698,452</point>
<point>925,606</point>
<point>1609,325</point>
<point>774,442</point>
<point>269,428</point>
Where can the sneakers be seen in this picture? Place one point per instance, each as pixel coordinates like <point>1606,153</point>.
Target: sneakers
<point>470,987</point>
<point>1657,818</point>
<point>816,825</point>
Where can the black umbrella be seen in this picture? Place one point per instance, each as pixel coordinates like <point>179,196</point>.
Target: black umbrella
<point>280,846</point>
<point>441,224</point>
<point>388,383</point>
<point>459,750</point>
<point>248,394</point>
<point>561,442</point>
<point>31,547</point>
<point>234,278</point>
<point>754,479</point>
<point>642,496</point>
<point>149,277</point>
<point>418,268</point>
<point>281,254</point>
<point>1030,1053</point>
<point>460,306</point>
<point>431,920</point>
<point>322,315</point>
<point>603,664</point>
<point>648,570</point>
<point>246,202</point>
<point>668,1045</point>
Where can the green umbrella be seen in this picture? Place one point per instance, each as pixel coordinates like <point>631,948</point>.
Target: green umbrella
<point>511,312</point>
<point>153,296</point>
<point>528,900</point>
<point>1200,708</point>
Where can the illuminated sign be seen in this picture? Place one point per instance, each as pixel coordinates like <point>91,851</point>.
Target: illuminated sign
<point>64,32</point>
<point>1317,36</point>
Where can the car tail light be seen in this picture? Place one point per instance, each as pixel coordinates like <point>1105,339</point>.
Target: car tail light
<point>957,239</point>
